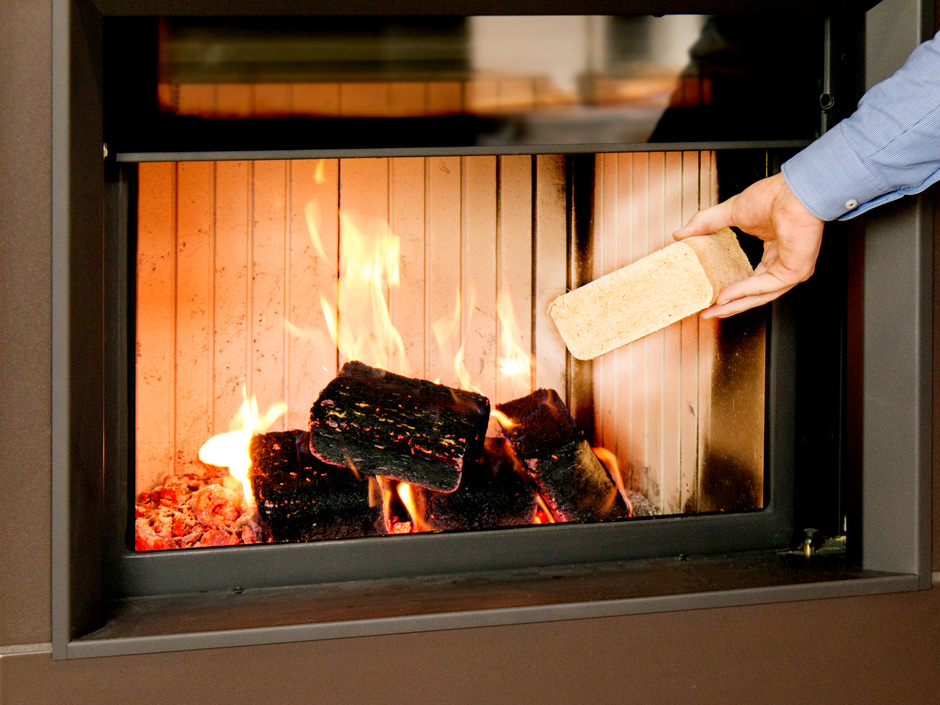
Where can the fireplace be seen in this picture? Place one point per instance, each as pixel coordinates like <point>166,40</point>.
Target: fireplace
<point>209,279</point>
<point>733,438</point>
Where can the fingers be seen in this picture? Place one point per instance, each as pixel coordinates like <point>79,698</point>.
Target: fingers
<point>707,221</point>
<point>761,283</point>
<point>738,305</point>
<point>765,285</point>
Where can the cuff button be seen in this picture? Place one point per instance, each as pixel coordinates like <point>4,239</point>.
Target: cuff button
<point>851,203</point>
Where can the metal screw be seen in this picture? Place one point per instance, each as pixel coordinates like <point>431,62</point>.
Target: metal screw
<point>809,548</point>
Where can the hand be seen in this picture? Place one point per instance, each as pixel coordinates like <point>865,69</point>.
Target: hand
<point>792,235</point>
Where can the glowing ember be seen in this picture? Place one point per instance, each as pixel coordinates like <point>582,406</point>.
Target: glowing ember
<point>230,450</point>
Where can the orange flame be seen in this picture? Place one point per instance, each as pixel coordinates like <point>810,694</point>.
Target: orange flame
<point>613,468</point>
<point>447,331</point>
<point>504,421</point>
<point>369,269</point>
<point>319,176</point>
<point>383,487</point>
<point>406,494</point>
<point>544,514</point>
<point>359,322</point>
<point>312,216</point>
<point>516,364</point>
<point>386,490</point>
<point>230,450</point>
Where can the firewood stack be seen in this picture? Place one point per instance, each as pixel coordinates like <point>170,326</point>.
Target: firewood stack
<point>368,423</point>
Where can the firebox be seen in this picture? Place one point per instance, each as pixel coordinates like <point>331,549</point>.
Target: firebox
<point>299,206</point>
<point>258,285</point>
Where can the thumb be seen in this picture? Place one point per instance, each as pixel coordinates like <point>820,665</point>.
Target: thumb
<point>707,221</point>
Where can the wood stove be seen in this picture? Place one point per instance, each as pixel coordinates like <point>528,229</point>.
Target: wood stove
<point>461,179</point>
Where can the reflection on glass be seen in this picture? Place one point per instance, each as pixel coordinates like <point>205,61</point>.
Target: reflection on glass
<point>568,78</point>
<point>491,81</point>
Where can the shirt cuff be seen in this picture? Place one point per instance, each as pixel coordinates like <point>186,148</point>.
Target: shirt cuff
<point>829,178</point>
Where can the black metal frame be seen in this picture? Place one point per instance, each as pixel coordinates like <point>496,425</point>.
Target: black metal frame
<point>85,393</point>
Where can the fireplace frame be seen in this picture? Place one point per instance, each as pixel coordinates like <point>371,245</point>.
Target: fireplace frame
<point>893,466</point>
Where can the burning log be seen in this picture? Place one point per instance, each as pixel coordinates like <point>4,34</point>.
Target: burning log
<point>492,493</point>
<point>301,498</point>
<point>559,460</point>
<point>409,429</point>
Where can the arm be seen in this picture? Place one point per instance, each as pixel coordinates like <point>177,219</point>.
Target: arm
<point>888,148</point>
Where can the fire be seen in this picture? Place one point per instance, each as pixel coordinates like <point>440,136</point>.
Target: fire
<point>504,421</point>
<point>360,324</point>
<point>230,450</point>
<point>386,490</point>
<point>312,216</point>
<point>369,268</point>
<point>613,468</point>
<point>406,494</point>
<point>544,514</point>
<point>447,331</point>
<point>319,176</point>
<point>516,364</point>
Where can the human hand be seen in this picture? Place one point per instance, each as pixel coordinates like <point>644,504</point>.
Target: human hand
<point>792,235</point>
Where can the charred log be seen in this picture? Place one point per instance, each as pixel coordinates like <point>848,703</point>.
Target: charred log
<point>301,498</point>
<point>409,429</point>
<point>559,460</point>
<point>492,493</point>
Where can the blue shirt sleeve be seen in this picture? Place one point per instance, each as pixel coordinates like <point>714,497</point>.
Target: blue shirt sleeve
<point>889,147</point>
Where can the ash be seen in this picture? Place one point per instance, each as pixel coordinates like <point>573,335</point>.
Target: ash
<point>192,511</point>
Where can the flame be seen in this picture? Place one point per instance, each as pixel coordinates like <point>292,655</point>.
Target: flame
<point>369,268</point>
<point>544,514</point>
<point>359,322</point>
<point>319,176</point>
<point>406,494</point>
<point>230,450</point>
<point>447,331</point>
<point>385,490</point>
<point>504,421</point>
<point>312,216</point>
<point>516,364</point>
<point>613,469</point>
<point>463,376</point>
